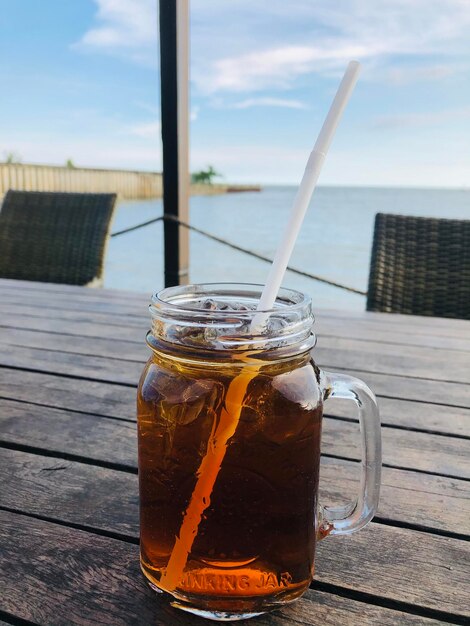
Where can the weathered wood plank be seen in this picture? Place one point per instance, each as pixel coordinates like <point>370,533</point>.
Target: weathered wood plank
<point>420,390</point>
<point>13,285</point>
<point>110,440</point>
<point>65,363</point>
<point>432,502</point>
<point>330,335</point>
<point>74,314</point>
<point>71,492</point>
<point>63,432</point>
<point>99,368</point>
<point>98,579</point>
<point>427,417</point>
<point>408,414</point>
<point>76,344</point>
<point>350,324</point>
<point>87,300</point>
<point>419,323</point>
<point>415,321</point>
<point>77,326</point>
<point>106,499</point>
<point>401,448</point>
<point>68,393</point>
<point>116,401</point>
<point>430,363</point>
<point>128,313</point>
<point>356,355</point>
<point>337,611</point>
<point>381,332</point>
<point>395,386</point>
<point>400,564</point>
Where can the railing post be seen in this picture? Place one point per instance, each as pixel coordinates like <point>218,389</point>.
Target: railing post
<point>174,66</point>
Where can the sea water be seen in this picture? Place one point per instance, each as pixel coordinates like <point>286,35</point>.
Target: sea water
<point>335,240</point>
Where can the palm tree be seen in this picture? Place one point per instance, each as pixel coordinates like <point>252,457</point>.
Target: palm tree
<point>205,177</point>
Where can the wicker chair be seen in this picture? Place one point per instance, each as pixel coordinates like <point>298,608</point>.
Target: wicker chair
<point>55,237</point>
<point>420,266</point>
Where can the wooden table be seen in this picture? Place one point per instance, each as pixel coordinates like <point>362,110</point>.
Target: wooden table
<point>70,360</point>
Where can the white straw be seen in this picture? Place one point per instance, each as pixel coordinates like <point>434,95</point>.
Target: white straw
<point>304,193</point>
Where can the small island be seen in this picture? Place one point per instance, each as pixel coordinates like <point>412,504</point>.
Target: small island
<point>202,183</point>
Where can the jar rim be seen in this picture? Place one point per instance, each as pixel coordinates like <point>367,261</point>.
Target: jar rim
<point>172,298</point>
<point>191,316</point>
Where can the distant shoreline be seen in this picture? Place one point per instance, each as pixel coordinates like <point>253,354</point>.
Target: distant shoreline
<point>127,184</point>
<point>218,188</point>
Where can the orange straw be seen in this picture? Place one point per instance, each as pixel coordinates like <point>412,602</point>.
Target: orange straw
<point>207,475</point>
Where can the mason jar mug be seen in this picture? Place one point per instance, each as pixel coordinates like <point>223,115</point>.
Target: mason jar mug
<point>230,410</point>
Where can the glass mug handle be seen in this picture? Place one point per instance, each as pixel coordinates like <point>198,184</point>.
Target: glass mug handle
<point>346,519</point>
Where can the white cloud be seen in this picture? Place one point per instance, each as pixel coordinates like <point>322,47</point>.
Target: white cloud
<point>411,74</point>
<point>147,130</point>
<point>427,118</point>
<point>257,38</point>
<point>374,32</point>
<point>124,28</point>
<point>269,102</point>
<point>276,67</point>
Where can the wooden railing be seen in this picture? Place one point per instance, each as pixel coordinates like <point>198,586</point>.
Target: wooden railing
<point>127,184</point>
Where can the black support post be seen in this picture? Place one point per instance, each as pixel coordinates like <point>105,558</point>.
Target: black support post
<point>172,133</point>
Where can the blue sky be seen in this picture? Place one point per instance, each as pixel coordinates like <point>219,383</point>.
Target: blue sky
<point>80,80</point>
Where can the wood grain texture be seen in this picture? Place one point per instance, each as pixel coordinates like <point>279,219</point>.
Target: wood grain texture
<point>383,333</point>
<point>128,372</point>
<point>134,311</point>
<point>108,297</point>
<point>31,288</point>
<point>406,497</point>
<point>401,448</point>
<point>432,391</point>
<point>395,386</point>
<point>416,361</point>
<point>114,400</point>
<point>98,579</point>
<point>79,325</point>
<point>398,412</point>
<point>108,341</point>
<point>70,492</point>
<point>63,431</point>
<point>397,563</point>
<point>419,322</point>
<point>136,303</point>
<point>59,392</point>
<point>78,365</point>
<point>106,499</point>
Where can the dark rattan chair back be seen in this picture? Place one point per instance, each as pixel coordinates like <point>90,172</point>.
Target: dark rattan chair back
<point>55,237</point>
<point>420,266</point>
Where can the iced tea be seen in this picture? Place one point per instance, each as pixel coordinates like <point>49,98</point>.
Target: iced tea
<point>255,544</point>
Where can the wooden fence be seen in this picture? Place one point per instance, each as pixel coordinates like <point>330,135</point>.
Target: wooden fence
<point>127,184</point>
